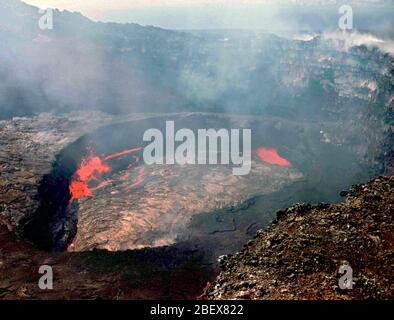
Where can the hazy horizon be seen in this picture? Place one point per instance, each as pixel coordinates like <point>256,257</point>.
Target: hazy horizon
<point>267,15</point>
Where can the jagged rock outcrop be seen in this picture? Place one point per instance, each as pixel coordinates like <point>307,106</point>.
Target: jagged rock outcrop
<point>299,255</point>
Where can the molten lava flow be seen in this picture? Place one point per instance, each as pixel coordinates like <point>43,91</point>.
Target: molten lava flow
<point>92,168</point>
<point>271,156</point>
<point>119,154</point>
<point>79,190</point>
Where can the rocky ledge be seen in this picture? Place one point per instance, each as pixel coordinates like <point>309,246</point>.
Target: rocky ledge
<point>300,254</point>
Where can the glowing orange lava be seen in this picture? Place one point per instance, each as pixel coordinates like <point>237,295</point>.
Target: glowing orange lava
<point>119,154</point>
<point>271,156</point>
<point>92,168</point>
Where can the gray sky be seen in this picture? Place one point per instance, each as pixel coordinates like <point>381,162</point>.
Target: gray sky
<point>191,14</point>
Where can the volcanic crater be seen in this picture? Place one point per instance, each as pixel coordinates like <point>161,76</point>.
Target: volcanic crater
<point>77,183</point>
<point>100,194</point>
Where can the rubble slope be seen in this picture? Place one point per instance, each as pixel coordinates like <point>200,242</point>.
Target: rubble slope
<point>299,255</point>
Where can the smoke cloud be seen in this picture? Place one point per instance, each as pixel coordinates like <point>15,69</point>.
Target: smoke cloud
<point>123,68</point>
<point>348,40</point>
